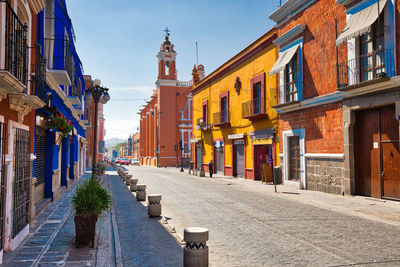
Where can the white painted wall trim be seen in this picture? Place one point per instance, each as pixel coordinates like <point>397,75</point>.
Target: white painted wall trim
<point>286,134</point>
<point>9,242</point>
<point>20,237</point>
<point>324,155</point>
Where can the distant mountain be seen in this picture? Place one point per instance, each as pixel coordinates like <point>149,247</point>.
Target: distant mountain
<point>113,141</point>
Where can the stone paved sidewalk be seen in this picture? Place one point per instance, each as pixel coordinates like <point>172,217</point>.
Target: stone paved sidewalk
<point>144,241</point>
<point>51,238</point>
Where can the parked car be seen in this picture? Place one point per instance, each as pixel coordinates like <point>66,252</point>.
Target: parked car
<point>124,162</point>
<point>135,161</point>
<point>118,161</point>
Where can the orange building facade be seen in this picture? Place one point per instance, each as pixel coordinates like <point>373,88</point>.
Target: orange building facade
<point>165,120</point>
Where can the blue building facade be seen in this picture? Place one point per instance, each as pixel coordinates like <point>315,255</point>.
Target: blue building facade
<point>60,157</point>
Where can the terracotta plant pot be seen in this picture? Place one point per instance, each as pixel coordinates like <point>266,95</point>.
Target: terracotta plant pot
<point>85,230</point>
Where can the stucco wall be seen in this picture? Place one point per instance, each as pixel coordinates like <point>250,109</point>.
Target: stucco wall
<point>259,63</point>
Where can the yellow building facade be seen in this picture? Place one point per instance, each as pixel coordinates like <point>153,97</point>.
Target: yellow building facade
<point>234,124</point>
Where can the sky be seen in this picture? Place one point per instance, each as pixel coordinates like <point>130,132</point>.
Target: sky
<point>117,42</point>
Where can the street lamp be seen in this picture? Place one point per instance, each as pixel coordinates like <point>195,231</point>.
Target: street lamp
<point>99,94</point>
<point>202,126</point>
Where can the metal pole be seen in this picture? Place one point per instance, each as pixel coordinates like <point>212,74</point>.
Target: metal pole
<point>202,174</point>
<point>181,148</point>
<point>96,103</point>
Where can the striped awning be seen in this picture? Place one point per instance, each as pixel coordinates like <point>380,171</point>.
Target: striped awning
<point>283,59</point>
<point>361,22</point>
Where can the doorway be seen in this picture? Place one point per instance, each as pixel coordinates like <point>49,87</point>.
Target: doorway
<point>238,158</point>
<point>198,156</point>
<point>219,157</point>
<point>377,157</point>
<point>263,163</point>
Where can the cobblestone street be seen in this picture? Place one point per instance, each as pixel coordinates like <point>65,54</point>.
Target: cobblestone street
<point>250,225</point>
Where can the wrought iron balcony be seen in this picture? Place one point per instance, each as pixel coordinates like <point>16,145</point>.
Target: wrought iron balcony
<point>375,65</point>
<point>289,91</point>
<point>254,109</point>
<point>15,57</point>
<point>221,119</point>
<point>39,78</point>
<point>59,60</point>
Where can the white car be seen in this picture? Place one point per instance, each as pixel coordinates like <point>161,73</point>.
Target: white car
<point>135,161</point>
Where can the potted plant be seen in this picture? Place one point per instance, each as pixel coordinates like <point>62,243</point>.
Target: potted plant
<point>61,124</point>
<point>90,200</point>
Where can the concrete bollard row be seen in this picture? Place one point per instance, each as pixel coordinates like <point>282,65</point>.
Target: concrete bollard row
<point>154,207</point>
<point>141,192</point>
<point>195,252</point>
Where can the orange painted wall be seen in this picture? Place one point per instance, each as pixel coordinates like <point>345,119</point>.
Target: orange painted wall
<point>323,124</point>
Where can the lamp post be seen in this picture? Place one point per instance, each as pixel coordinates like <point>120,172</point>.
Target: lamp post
<point>98,93</point>
<point>202,126</point>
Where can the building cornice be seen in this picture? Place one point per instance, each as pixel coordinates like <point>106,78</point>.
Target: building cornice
<point>290,35</point>
<point>289,9</point>
<point>251,50</point>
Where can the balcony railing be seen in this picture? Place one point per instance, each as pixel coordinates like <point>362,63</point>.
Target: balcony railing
<point>377,64</point>
<point>39,79</point>
<point>58,54</point>
<point>16,55</point>
<point>290,94</point>
<point>253,108</point>
<point>220,118</point>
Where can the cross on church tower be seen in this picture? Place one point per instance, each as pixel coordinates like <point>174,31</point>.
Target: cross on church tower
<point>166,59</point>
<point>167,31</point>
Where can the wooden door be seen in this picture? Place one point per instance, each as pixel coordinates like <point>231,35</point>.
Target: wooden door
<point>390,153</point>
<point>294,158</point>
<point>377,156</point>
<point>366,144</point>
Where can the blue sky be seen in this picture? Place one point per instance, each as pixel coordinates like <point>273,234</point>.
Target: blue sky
<point>118,41</point>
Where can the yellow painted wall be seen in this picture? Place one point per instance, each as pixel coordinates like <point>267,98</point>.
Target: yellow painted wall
<point>257,64</point>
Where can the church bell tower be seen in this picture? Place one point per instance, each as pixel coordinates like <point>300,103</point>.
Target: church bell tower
<point>166,60</point>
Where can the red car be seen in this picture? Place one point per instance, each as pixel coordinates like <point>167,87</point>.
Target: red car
<point>124,162</point>
<point>118,161</point>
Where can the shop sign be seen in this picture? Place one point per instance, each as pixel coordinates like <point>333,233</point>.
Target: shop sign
<point>235,136</point>
<point>194,141</point>
<point>262,134</point>
<point>262,141</point>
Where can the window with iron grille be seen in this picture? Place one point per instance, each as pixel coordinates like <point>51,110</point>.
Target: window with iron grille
<point>21,188</point>
<point>16,61</point>
<point>3,176</point>
<point>40,152</point>
<point>372,53</point>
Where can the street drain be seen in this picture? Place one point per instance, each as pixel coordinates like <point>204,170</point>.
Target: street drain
<point>228,184</point>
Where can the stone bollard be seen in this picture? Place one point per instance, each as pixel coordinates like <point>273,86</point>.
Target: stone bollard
<point>195,252</point>
<point>128,179</point>
<point>134,182</point>
<point>154,208</point>
<point>141,192</point>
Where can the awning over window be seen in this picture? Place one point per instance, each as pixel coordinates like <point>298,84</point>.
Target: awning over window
<point>361,22</point>
<point>283,59</point>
